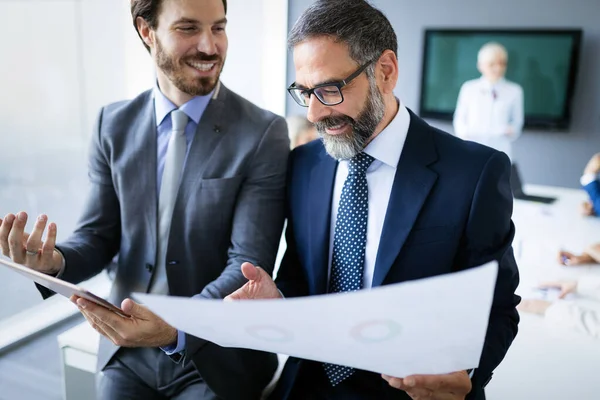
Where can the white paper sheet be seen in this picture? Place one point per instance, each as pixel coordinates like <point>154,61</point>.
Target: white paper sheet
<point>429,326</point>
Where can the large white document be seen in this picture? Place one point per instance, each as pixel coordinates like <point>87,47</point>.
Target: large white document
<point>429,326</point>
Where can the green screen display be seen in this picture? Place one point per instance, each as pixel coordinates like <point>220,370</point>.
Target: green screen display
<point>542,62</point>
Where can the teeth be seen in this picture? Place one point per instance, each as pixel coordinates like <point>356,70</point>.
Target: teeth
<point>336,127</point>
<point>204,67</point>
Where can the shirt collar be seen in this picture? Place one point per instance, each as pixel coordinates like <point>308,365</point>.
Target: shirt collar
<point>387,146</point>
<point>194,108</point>
<point>488,85</point>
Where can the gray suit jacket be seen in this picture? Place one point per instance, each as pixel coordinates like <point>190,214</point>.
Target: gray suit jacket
<point>229,209</point>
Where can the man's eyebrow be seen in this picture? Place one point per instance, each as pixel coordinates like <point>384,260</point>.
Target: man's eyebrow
<point>185,20</point>
<point>327,82</point>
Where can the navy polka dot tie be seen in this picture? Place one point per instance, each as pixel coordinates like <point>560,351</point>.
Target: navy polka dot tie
<point>349,242</point>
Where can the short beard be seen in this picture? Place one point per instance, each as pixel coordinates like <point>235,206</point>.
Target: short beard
<point>176,74</point>
<point>346,146</point>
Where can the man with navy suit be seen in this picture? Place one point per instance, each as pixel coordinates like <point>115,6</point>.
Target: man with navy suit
<point>382,198</point>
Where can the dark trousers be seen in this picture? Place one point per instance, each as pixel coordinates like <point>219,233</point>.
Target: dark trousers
<point>149,374</point>
<point>312,384</point>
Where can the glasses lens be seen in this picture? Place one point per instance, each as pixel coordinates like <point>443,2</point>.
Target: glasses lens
<point>299,96</point>
<point>329,95</point>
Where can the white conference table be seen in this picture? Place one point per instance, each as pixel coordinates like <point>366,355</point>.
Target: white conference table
<point>544,362</point>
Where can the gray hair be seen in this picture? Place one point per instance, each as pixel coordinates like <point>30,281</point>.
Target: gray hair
<point>489,50</point>
<point>365,29</point>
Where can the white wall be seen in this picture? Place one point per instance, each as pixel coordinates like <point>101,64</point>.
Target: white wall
<point>256,60</point>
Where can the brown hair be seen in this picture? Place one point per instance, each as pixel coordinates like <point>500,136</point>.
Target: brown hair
<point>149,10</point>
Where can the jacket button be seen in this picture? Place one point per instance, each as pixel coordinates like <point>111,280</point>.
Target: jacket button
<point>149,267</point>
<point>173,262</point>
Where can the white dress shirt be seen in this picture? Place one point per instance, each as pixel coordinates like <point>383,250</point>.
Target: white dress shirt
<point>485,111</point>
<point>385,149</point>
<point>574,315</point>
<point>586,179</point>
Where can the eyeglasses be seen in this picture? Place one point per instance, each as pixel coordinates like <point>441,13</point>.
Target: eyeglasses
<point>329,94</point>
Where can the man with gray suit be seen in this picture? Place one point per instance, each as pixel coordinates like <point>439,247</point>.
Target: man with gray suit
<point>187,182</point>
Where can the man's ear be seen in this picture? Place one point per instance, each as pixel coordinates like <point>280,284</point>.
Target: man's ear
<point>386,71</point>
<point>145,32</point>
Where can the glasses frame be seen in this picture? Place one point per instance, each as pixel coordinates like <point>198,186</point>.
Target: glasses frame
<point>339,85</point>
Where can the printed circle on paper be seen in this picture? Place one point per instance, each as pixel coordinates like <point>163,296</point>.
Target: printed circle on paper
<point>376,331</point>
<point>270,333</point>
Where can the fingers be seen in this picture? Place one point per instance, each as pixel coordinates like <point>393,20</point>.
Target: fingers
<point>574,260</point>
<point>393,382</point>
<point>456,382</point>
<point>534,306</point>
<point>15,238</point>
<point>103,329</point>
<point>567,288</point>
<point>564,257</point>
<point>101,315</point>
<point>136,310</point>
<point>5,229</point>
<point>240,294</point>
<point>49,245</point>
<point>34,242</point>
<point>431,382</point>
<point>250,272</point>
<point>415,393</point>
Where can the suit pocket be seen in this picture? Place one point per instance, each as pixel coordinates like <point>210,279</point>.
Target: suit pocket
<point>429,235</point>
<point>224,184</point>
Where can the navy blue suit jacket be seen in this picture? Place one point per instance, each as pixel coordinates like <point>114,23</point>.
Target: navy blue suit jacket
<point>449,210</point>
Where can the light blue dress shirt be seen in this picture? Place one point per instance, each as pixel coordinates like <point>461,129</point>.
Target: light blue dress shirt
<point>162,109</point>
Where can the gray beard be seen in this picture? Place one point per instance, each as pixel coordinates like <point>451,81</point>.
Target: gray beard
<point>345,147</point>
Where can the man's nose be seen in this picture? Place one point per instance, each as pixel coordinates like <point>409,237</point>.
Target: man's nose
<point>316,109</point>
<point>207,44</point>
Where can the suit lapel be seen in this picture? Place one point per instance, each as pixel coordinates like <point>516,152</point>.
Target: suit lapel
<point>209,132</point>
<point>412,184</point>
<point>320,196</point>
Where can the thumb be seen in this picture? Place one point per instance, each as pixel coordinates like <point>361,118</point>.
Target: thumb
<point>565,290</point>
<point>563,294</point>
<point>134,309</point>
<point>251,272</point>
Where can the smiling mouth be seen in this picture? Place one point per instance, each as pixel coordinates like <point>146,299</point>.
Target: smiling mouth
<point>336,129</point>
<point>202,66</point>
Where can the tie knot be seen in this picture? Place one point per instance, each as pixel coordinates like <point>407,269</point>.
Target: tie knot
<point>180,120</point>
<point>359,164</point>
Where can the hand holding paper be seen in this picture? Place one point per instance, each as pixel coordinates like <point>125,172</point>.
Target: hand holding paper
<point>453,386</point>
<point>141,329</point>
<point>430,326</point>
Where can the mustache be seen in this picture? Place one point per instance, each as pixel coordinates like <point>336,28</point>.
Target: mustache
<point>203,57</point>
<point>330,122</point>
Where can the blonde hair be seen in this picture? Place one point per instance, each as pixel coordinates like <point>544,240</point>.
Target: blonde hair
<point>489,50</point>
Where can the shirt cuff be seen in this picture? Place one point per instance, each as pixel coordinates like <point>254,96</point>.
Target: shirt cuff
<point>586,179</point>
<point>62,267</point>
<point>177,347</point>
